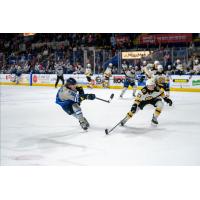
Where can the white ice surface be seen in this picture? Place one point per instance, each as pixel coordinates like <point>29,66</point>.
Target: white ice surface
<point>36,131</point>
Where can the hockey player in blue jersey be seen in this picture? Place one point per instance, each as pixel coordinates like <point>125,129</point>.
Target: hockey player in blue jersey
<point>130,77</point>
<point>18,72</point>
<point>69,98</point>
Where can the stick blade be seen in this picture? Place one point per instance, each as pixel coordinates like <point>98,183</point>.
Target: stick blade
<point>111,97</point>
<point>106,131</point>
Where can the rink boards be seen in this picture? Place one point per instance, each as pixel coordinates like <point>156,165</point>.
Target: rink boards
<point>185,83</point>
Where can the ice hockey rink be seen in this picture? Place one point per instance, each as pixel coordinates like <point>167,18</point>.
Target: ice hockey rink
<point>36,131</point>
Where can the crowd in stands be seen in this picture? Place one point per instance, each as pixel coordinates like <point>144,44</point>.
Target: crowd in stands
<point>41,52</point>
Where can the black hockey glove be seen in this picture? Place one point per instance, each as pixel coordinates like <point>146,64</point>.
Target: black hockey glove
<point>87,96</point>
<point>134,108</point>
<point>169,101</point>
<point>90,96</point>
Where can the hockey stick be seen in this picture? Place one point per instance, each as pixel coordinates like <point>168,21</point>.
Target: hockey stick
<point>108,131</point>
<point>107,101</point>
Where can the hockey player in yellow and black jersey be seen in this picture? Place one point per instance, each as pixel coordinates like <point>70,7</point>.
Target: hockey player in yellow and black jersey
<point>150,94</point>
<point>159,76</point>
<point>107,74</point>
<point>151,69</point>
<point>161,79</point>
<point>88,74</point>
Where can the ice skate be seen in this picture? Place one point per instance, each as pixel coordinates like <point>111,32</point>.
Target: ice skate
<point>84,124</point>
<point>154,120</point>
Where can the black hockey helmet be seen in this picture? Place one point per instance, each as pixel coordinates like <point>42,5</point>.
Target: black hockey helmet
<point>71,81</point>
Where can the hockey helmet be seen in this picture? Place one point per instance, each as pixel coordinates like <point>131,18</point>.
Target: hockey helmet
<point>150,82</point>
<point>156,62</point>
<point>71,81</point>
<point>88,65</point>
<point>144,63</point>
<point>196,62</point>
<point>160,68</point>
<point>110,65</point>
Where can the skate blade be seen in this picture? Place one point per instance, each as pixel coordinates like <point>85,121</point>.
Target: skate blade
<point>153,124</point>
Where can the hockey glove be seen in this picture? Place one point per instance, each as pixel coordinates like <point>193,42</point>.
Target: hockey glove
<point>169,101</point>
<point>134,108</point>
<point>87,96</point>
<point>90,96</point>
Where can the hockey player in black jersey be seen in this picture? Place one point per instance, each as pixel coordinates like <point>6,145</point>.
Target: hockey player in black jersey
<point>69,97</point>
<point>88,74</point>
<point>162,80</point>
<point>150,94</point>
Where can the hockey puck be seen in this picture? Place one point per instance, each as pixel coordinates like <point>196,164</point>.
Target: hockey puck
<point>106,131</point>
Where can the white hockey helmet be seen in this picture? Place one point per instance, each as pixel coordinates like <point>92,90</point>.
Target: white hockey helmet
<point>110,65</point>
<point>178,61</point>
<point>156,62</point>
<point>169,67</point>
<point>150,82</point>
<point>160,68</point>
<point>88,65</point>
<point>144,63</point>
<point>196,62</point>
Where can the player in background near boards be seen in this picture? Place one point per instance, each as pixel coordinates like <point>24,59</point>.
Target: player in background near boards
<point>162,80</point>
<point>69,97</point>
<point>151,69</point>
<point>196,67</point>
<point>18,74</point>
<point>156,72</point>
<point>88,74</point>
<point>107,75</point>
<point>17,71</point>
<point>130,77</point>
